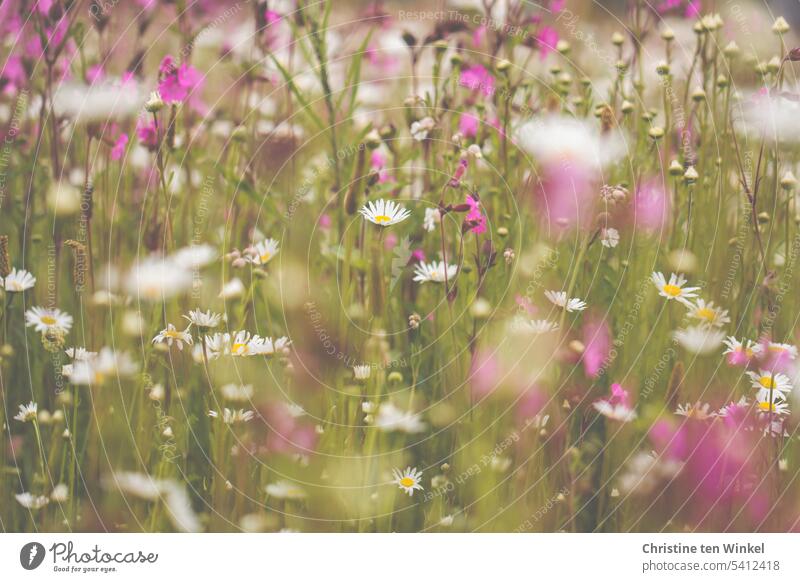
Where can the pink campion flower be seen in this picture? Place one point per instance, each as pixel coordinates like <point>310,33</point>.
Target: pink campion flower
<point>13,77</point>
<point>119,147</point>
<point>461,169</point>
<point>271,17</point>
<point>378,162</point>
<point>468,125</point>
<point>325,221</point>
<point>478,79</point>
<point>524,305</point>
<point>651,207</point>
<point>484,374</point>
<point>546,40</point>
<point>597,342</point>
<point>776,357</point>
<point>147,134</point>
<point>287,432</point>
<point>418,255</point>
<point>475,216</point>
<point>390,241</point>
<point>565,198</point>
<point>44,6</point>
<point>178,83</point>
<point>557,6</point>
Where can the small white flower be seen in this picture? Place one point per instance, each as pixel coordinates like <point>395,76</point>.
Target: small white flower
<point>384,212</point>
<point>31,501</point>
<point>237,392</point>
<point>674,288</point>
<point>778,406</point>
<point>156,279</point>
<point>79,354</point>
<point>708,314</point>
<point>432,218</point>
<point>232,289</point>
<point>17,281</point>
<point>421,128</point>
<point>559,299</point>
<point>263,251</point>
<point>48,320</point>
<point>362,371</point>
<point>409,480</point>
<point>609,237</point>
<point>60,493</point>
<point>195,256</point>
<point>782,350</point>
<point>233,416</point>
<point>540,326</point>
<point>619,411</point>
<point>202,320</point>
<point>170,335</point>
<point>697,411</point>
<point>27,412</point>
<point>434,272</point>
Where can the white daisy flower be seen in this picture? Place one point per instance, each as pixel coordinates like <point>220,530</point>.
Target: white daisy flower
<point>263,251</point>
<point>27,412</point>
<point>17,281</point>
<point>609,237</point>
<point>48,320</point>
<point>674,288</point>
<point>559,299</point>
<point>170,335</point>
<point>60,493</point>
<point>708,314</point>
<point>434,272</point>
<point>232,289</point>
<point>778,406</point>
<point>432,218</point>
<point>745,349</point>
<point>362,371</point>
<point>697,411</point>
<point>233,416</point>
<point>390,419</point>
<point>615,411</point>
<point>107,364</point>
<point>540,326</point>
<point>409,480</point>
<point>769,381</point>
<point>237,392</point>
<point>31,501</point>
<point>202,320</point>
<point>384,212</point>
<point>699,340</point>
<point>78,353</point>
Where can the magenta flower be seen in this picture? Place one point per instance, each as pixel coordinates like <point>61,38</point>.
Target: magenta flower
<point>651,207</point>
<point>475,216</point>
<point>119,147</point>
<point>478,79</point>
<point>597,342</point>
<point>148,134</point>
<point>468,125</point>
<point>178,83</point>
<point>546,39</point>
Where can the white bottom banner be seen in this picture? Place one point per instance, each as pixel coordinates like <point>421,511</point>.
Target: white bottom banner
<point>400,557</point>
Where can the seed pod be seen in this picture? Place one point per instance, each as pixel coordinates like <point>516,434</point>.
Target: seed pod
<point>5,259</point>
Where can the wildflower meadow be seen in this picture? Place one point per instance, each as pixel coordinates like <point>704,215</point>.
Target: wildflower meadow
<point>363,266</point>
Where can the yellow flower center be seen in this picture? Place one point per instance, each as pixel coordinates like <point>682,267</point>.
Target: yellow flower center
<point>706,313</point>
<point>239,349</point>
<point>766,406</point>
<point>173,333</point>
<point>406,482</point>
<point>48,320</point>
<point>266,256</point>
<point>767,382</point>
<point>671,290</point>
<point>381,218</point>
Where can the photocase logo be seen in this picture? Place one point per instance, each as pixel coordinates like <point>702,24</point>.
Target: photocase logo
<point>31,555</point>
